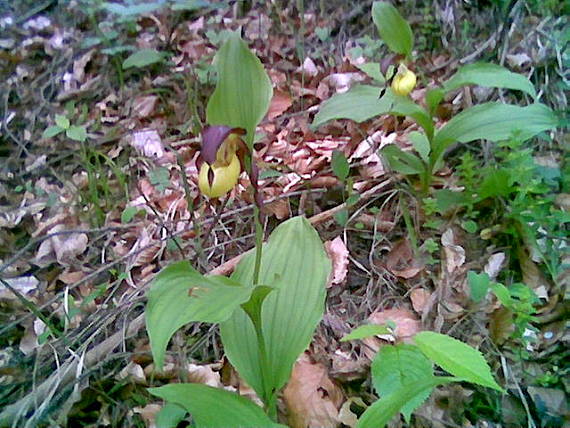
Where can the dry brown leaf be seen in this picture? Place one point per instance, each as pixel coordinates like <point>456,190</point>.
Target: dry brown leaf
<point>407,324</point>
<point>145,106</point>
<point>401,261</point>
<point>420,298</point>
<point>312,399</point>
<point>133,371</point>
<point>204,374</point>
<point>148,413</point>
<point>280,102</point>
<point>338,254</point>
<point>454,254</point>
<point>148,142</point>
<point>68,247</point>
<point>501,325</point>
<point>494,265</point>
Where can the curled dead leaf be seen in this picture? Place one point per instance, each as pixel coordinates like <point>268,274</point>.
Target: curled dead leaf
<point>420,299</point>
<point>338,253</point>
<point>454,253</point>
<point>401,261</point>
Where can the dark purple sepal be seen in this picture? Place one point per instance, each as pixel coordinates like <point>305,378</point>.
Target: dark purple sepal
<point>212,139</point>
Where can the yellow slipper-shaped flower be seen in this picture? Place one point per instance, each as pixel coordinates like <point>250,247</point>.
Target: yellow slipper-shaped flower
<point>225,178</point>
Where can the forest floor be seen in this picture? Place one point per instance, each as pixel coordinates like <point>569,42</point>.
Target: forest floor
<point>98,192</point>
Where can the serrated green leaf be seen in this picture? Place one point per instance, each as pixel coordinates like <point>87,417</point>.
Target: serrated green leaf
<point>142,58</point>
<point>457,358</point>
<point>478,285</point>
<point>170,416</point>
<point>128,214</point>
<point>294,262</point>
<point>489,75</point>
<point>398,365</point>
<point>361,103</point>
<point>383,410</point>
<point>77,133</point>
<point>393,28</point>
<point>62,121</point>
<point>403,162</point>
<point>215,408</point>
<point>243,92</point>
<point>179,294</point>
<point>364,331</point>
<point>340,165</point>
<point>52,131</point>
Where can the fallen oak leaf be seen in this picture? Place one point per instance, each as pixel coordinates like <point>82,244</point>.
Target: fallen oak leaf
<point>338,253</point>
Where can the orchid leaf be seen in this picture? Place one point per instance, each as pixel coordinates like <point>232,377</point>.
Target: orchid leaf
<point>295,264</point>
<point>243,92</point>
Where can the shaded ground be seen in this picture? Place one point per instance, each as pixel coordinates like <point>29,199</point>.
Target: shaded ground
<point>89,215</point>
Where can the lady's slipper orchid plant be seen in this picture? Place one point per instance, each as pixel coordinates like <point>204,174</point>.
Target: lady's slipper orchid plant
<point>222,156</point>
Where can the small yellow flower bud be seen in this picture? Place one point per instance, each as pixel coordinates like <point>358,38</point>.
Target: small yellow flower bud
<point>225,178</point>
<point>404,81</point>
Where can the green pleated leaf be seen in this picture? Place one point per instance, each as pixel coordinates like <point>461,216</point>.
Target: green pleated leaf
<point>491,76</point>
<point>214,407</point>
<point>364,331</point>
<point>295,264</point>
<point>243,91</point>
<point>179,294</point>
<point>399,365</point>
<point>495,122</point>
<point>457,358</point>
<point>361,103</point>
<point>383,410</point>
<point>401,161</point>
<point>393,28</point>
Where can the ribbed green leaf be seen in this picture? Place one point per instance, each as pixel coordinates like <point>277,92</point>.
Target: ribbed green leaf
<point>295,264</point>
<point>383,410</point>
<point>393,29</point>
<point>457,358</point>
<point>214,407</point>
<point>489,75</point>
<point>179,294</point>
<point>401,161</point>
<point>399,365</point>
<point>243,91</point>
<point>495,122</point>
<point>364,331</point>
<point>361,103</point>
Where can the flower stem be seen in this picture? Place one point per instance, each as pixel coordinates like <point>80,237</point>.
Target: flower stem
<point>258,245</point>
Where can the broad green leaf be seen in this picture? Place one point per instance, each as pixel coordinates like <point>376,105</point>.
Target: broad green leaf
<point>179,294</point>
<point>62,121</point>
<point>398,365</point>
<point>503,294</point>
<point>364,331</point>
<point>215,408</point>
<point>489,75</point>
<point>191,5</point>
<point>341,217</point>
<point>340,165</point>
<point>478,285</point>
<point>457,358</point>
<point>383,410</point>
<point>393,29</point>
<point>421,144</point>
<point>495,122</point>
<point>52,131</point>
<point>243,92</point>
<point>401,161</point>
<point>170,416</point>
<point>77,133</point>
<point>372,69</point>
<point>295,264</point>
<point>142,58</point>
<point>361,103</point>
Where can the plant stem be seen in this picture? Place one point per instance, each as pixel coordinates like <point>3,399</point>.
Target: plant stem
<point>258,245</point>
